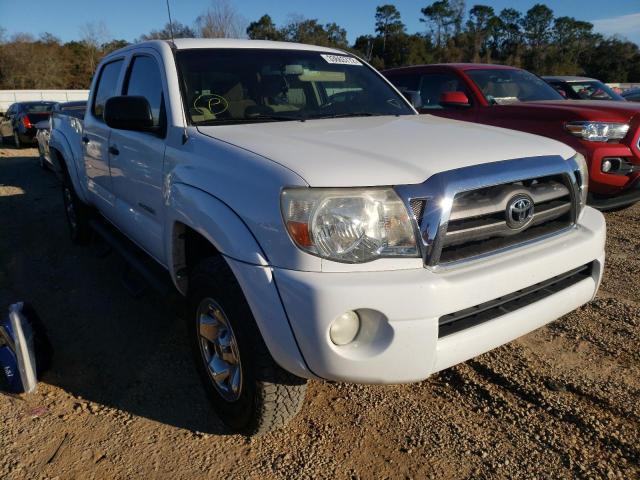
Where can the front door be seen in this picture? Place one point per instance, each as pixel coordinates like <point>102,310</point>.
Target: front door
<point>137,160</point>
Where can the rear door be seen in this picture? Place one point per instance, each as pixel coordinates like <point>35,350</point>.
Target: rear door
<point>95,137</point>
<point>137,159</point>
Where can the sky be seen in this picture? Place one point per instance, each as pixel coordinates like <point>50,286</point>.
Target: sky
<point>128,19</point>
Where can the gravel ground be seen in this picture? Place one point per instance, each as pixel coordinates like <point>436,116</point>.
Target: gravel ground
<point>122,401</point>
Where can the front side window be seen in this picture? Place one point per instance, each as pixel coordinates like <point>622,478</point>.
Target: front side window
<point>145,81</point>
<point>223,86</point>
<point>406,82</point>
<point>511,86</point>
<point>433,85</point>
<point>107,87</point>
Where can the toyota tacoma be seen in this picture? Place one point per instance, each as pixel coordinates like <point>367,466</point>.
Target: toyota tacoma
<point>317,225</point>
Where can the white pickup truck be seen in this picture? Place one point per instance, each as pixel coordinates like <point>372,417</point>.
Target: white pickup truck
<point>316,224</point>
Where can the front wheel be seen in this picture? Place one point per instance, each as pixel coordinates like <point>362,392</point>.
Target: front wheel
<point>250,392</point>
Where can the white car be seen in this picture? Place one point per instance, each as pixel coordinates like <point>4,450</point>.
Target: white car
<point>318,227</point>
<point>65,112</point>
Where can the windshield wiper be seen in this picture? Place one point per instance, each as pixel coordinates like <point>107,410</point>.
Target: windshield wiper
<point>277,118</point>
<point>253,119</point>
<point>345,115</point>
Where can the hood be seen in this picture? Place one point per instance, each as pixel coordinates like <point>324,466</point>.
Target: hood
<point>370,151</point>
<point>574,110</point>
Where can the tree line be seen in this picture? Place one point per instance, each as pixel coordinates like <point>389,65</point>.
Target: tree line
<point>536,40</point>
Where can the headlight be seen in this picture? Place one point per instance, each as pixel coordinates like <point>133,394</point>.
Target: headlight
<point>582,174</point>
<point>349,225</point>
<point>598,131</point>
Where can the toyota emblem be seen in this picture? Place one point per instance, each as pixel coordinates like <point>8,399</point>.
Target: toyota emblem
<point>519,211</point>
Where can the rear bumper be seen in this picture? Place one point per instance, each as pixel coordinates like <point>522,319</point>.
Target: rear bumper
<point>27,135</point>
<point>400,310</point>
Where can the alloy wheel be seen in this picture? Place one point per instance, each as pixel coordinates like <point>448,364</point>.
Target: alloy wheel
<point>219,349</point>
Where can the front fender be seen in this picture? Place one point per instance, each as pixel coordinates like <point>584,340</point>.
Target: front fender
<point>214,220</point>
<point>226,231</point>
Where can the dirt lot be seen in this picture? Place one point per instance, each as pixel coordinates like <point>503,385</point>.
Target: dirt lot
<point>122,401</point>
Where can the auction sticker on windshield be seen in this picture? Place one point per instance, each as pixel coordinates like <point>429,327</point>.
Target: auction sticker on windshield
<point>340,59</point>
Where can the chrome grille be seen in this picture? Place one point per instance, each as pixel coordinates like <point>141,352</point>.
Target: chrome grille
<point>461,214</point>
<point>480,215</point>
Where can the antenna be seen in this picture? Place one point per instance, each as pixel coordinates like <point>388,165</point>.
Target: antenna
<point>185,135</point>
<point>170,22</point>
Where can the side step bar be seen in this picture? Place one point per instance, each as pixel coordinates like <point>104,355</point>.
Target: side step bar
<point>154,275</point>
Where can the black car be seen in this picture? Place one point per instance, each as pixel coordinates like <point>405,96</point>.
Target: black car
<point>582,88</point>
<point>632,95</point>
<point>20,120</point>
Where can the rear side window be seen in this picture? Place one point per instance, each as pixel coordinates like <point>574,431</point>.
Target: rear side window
<point>145,81</point>
<point>107,87</point>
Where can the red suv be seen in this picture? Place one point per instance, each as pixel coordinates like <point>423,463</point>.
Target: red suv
<point>607,133</point>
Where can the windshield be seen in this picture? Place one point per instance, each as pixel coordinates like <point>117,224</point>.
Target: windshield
<point>587,90</point>
<point>38,107</point>
<point>223,86</point>
<point>510,86</point>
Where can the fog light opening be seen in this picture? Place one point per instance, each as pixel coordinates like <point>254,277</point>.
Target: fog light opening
<point>345,328</point>
<point>606,165</point>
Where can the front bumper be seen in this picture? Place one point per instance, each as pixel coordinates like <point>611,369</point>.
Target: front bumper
<point>623,199</point>
<point>610,185</point>
<point>398,341</point>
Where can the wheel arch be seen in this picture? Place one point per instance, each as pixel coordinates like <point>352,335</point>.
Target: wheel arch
<point>64,162</point>
<point>200,225</point>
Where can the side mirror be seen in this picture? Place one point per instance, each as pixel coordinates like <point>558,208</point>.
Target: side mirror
<point>454,99</point>
<point>129,113</point>
<point>414,98</point>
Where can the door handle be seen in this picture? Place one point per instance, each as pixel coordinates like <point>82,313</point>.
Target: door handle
<point>114,151</point>
<point>85,139</point>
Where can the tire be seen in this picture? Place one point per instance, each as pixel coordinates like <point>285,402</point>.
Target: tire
<point>77,212</point>
<point>16,139</point>
<point>267,397</point>
<point>619,209</point>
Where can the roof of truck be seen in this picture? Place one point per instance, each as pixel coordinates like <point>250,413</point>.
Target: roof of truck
<point>194,43</point>
<point>204,43</point>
